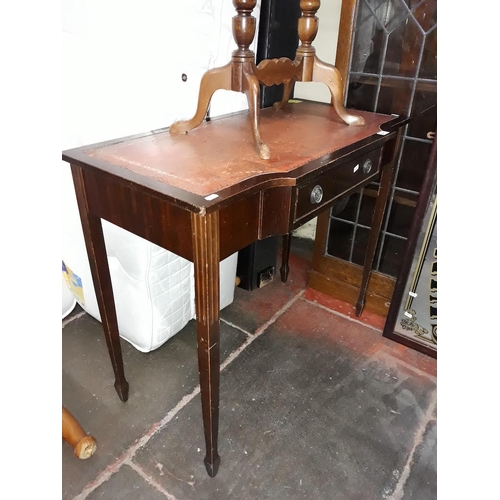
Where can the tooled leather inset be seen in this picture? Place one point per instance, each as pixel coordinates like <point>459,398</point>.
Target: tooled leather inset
<point>221,153</point>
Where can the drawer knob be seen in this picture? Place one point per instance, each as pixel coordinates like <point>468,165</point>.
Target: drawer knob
<point>367,166</point>
<point>316,194</point>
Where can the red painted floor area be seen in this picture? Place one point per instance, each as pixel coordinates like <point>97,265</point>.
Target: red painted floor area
<point>357,334</point>
<point>300,264</point>
<point>345,309</point>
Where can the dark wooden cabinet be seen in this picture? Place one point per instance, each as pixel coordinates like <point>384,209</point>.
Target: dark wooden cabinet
<point>388,58</point>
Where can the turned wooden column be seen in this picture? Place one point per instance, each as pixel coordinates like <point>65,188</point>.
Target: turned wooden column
<point>243,33</point>
<point>308,29</point>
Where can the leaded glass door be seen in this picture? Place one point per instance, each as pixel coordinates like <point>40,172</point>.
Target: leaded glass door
<point>393,70</point>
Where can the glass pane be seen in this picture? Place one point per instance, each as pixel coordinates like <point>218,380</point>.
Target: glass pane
<point>403,49</point>
<point>346,207</point>
<point>424,114</point>
<point>413,164</point>
<point>391,255</point>
<point>428,66</point>
<point>402,210</point>
<point>368,42</point>
<point>339,239</point>
<point>425,14</point>
<point>367,207</point>
<point>361,242</point>
<point>362,92</point>
<point>374,4</point>
<point>394,96</point>
<point>392,14</point>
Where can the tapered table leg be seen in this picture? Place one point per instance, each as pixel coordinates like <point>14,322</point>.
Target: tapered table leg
<point>378,216</point>
<point>98,260</point>
<point>285,255</point>
<point>206,254</point>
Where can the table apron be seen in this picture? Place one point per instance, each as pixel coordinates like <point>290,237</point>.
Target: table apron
<point>154,219</point>
<point>255,217</point>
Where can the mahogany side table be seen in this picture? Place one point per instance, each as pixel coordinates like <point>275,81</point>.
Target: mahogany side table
<point>206,194</point>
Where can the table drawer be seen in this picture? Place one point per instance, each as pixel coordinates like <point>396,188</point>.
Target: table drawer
<point>333,183</point>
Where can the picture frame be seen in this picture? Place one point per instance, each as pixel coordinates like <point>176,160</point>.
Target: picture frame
<point>412,315</point>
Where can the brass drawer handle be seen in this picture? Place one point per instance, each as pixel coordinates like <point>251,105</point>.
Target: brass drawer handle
<point>316,194</point>
<point>367,166</point>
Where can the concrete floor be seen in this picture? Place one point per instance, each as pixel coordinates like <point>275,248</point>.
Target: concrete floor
<point>314,405</point>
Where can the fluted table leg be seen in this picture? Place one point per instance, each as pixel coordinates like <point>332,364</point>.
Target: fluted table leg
<point>206,274</point>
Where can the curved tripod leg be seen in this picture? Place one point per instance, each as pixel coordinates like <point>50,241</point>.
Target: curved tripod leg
<point>287,90</point>
<point>252,91</point>
<point>330,76</point>
<point>214,79</point>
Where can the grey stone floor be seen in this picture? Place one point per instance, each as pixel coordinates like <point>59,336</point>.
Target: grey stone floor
<point>313,405</point>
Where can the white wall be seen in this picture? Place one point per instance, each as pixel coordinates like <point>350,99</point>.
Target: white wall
<point>122,63</point>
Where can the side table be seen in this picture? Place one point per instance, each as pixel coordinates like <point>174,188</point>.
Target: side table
<point>206,194</point>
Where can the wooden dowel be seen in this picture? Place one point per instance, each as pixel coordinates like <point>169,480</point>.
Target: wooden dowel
<point>83,445</point>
